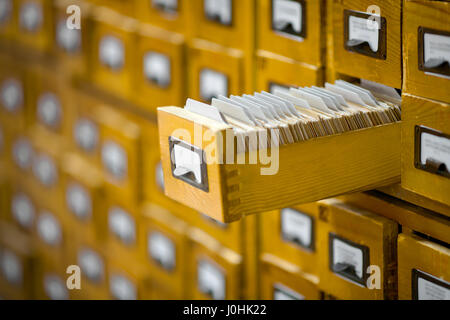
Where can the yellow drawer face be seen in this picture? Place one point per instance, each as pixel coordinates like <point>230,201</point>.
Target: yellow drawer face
<point>124,7</point>
<point>358,252</point>
<point>229,22</point>
<point>84,196</point>
<point>368,46</point>
<point>166,251</point>
<point>160,69</point>
<point>425,169</point>
<point>284,281</point>
<point>34,23</point>
<point>170,15</point>
<point>214,71</point>
<point>113,45</point>
<point>423,272</point>
<point>276,71</point>
<point>215,270</point>
<point>13,94</point>
<point>291,235</point>
<point>292,29</point>
<point>426,33</point>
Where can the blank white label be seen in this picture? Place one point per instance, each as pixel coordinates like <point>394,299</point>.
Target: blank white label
<point>122,225</point>
<point>49,110</point>
<point>23,153</point>
<point>91,265</point>
<point>44,169</point>
<point>86,134</point>
<point>55,288</point>
<point>5,11</point>
<point>159,176</point>
<point>31,16</point>
<point>115,160</point>
<point>162,249</point>
<point>434,147</point>
<point>220,10</point>
<point>285,13</point>
<point>436,47</point>
<point>427,290</point>
<point>49,229</point>
<point>122,288</point>
<point>112,52</point>
<point>23,210</point>
<point>211,280</point>
<point>358,29</point>
<point>157,68</point>
<point>11,95</point>
<point>346,254</point>
<point>79,201</point>
<point>11,267</point>
<point>187,161</point>
<point>296,226</point>
<point>213,84</point>
<point>68,39</point>
<point>167,5</point>
<point>284,293</point>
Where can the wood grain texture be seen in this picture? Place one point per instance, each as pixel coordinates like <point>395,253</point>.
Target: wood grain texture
<point>417,253</point>
<point>433,114</point>
<point>309,50</point>
<point>276,271</point>
<point>356,161</point>
<point>387,72</point>
<point>429,14</point>
<point>364,228</point>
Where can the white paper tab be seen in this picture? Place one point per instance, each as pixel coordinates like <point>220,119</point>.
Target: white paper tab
<point>204,110</point>
<point>115,160</point>
<point>49,229</point>
<point>282,292</point>
<point>157,69</point>
<point>436,47</point>
<point>162,250</point>
<point>11,267</point>
<point>86,134</point>
<point>187,161</point>
<point>112,52</point>
<point>344,253</point>
<point>91,265</point>
<point>79,201</point>
<point>49,110</point>
<point>166,5</point>
<point>287,16</point>
<point>55,288</point>
<point>436,148</point>
<point>360,29</point>
<point>122,288</point>
<point>297,227</point>
<point>159,175</point>
<point>6,7</point>
<point>31,16</point>
<point>11,95</point>
<point>68,39</point>
<point>122,224</point>
<point>23,153</point>
<point>219,10</point>
<point>23,210</point>
<point>211,280</point>
<point>212,84</point>
<point>44,169</point>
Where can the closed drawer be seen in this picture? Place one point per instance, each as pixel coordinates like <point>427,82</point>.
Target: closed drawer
<point>358,256</point>
<point>229,22</point>
<point>292,28</point>
<point>423,272</point>
<point>165,252</point>
<point>215,270</point>
<point>214,70</point>
<point>160,75</point>
<point>281,280</point>
<point>426,46</point>
<point>291,234</point>
<point>367,40</point>
<point>113,45</point>
<point>277,71</point>
<point>167,14</point>
<point>425,153</point>
<point>50,279</point>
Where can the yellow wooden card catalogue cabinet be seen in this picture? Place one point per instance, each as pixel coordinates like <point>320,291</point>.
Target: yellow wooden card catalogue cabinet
<point>277,71</point>
<point>160,75</point>
<point>425,153</point>
<point>282,280</point>
<point>215,271</point>
<point>17,261</point>
<point>291,235</point>
<point>294,29</point>
<point>358,260</point>
<point>367,40</point>
<point>426,33</point>
<point>361,160</point>
<point>166,251</point>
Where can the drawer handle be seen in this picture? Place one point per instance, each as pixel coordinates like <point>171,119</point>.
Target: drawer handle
<point>286,27</point>
<point>345,268</point>
<point>436,166</point>
<point>439,64</point>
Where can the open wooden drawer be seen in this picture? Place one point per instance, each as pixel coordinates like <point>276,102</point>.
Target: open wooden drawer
<point>303,172</point>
